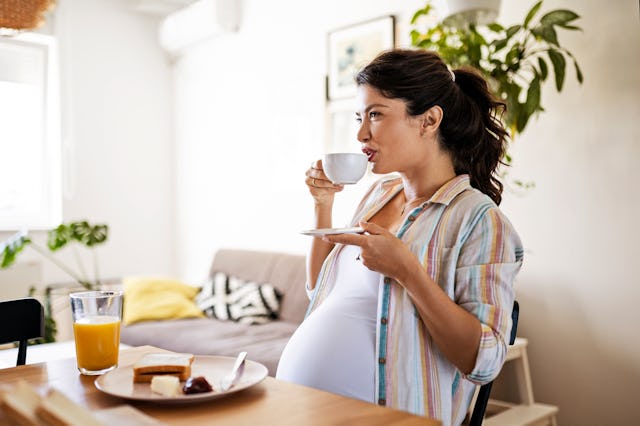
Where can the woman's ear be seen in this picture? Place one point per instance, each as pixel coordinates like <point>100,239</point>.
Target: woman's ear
<point>431,119</point>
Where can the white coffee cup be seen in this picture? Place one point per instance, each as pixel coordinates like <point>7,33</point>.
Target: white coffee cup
<point>344,168</point>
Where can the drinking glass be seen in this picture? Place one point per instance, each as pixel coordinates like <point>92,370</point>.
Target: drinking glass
<point>96,329</point>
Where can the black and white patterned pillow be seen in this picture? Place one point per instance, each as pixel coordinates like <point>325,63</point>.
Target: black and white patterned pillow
<point>229,298</point>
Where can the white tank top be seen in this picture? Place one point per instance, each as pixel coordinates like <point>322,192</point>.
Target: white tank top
<point>334,347</point>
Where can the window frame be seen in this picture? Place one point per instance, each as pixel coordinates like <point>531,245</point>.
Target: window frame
<point>50,214</point>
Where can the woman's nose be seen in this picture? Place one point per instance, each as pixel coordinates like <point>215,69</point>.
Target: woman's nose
<point>363,132</point>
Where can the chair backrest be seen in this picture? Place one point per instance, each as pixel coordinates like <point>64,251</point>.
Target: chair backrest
<point>483,395</point>
<point>21,319</point>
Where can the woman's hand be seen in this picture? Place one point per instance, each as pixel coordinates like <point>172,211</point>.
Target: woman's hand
<point>381,251</point>
<point>321,188</point>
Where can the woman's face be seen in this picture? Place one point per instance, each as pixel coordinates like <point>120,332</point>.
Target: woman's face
<point>391,139</point>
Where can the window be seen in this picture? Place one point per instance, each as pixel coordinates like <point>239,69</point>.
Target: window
<point>30,154</point>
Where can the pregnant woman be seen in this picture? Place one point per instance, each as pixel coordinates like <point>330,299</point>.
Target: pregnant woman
<point>414,312</point>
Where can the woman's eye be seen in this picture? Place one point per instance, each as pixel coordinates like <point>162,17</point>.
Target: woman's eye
<point>373,114</point>
<point>358,120</point>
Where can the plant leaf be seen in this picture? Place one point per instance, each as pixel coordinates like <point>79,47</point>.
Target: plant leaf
<point>531,13</point>
<point>558,17</point>
<point>58,237</point>
<point>512,30</point>
<point>495,27</point>
<point>80,231</point>
<point>512,58</point>
<point>570,27</point>
<point>420,12</point>
<point>533,96</point>
<point>477,37</point>
<point>559,65</point>
<point>544,69</point>
<point>522,119</point>
<point>507,158</point>
<point>499,44</point>
<point>87,234</point>
<point>98,235</point>
<point>578,71</point>
<point>11,247</point>
<point>548,34</point>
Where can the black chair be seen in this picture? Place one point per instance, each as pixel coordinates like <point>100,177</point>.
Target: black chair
<point>483,395</point>
<point>21,319</point>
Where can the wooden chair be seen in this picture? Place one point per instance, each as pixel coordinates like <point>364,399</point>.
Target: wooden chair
<point>21,319</point>
<point>483,395</point>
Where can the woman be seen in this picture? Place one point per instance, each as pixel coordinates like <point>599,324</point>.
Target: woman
<point>415,312</point>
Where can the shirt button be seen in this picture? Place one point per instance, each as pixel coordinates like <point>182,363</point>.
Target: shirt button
<point>411,218</point>
<point>382,360</point>
<point>382,401</point>
<point>387,280</point>
<point>383,320</point>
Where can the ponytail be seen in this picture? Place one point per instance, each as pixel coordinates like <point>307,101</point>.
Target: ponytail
<point>471,129</point>
<point>474,133</point>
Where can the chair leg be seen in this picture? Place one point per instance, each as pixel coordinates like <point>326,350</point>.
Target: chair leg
<point>22,353</point>
<point>481,405</point>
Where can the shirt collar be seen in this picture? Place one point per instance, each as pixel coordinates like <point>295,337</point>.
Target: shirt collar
<point>444,195</point>
<point>451,189</point>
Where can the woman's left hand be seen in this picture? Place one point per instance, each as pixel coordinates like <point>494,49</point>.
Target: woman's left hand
<point>381,251</point>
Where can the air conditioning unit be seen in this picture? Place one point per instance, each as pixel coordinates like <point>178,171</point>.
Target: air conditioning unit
<point>197,22</point>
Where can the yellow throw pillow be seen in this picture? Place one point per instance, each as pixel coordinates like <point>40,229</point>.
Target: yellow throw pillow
<point>147,298</point>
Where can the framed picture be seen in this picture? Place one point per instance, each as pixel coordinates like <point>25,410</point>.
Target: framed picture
<point>350,48</point>
<point>342,128</point>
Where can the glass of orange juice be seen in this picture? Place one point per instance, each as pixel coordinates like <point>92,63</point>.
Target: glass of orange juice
<point>96,329</point>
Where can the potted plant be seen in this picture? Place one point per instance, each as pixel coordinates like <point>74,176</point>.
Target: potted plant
<point>516,59</point>
<point>74,233</point>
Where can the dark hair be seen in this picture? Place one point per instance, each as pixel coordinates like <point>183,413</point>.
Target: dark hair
<point>471,129</point>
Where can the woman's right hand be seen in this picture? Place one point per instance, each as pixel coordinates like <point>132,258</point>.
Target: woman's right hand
<point>321,188</point>
<point>323,191</point>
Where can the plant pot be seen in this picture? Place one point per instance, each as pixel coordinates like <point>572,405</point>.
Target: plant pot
<point>457,13</point>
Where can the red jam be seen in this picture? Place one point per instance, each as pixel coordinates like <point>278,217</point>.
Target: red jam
<point>196,385</point>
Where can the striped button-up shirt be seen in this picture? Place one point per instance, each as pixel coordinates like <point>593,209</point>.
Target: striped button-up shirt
<point>473,253</point>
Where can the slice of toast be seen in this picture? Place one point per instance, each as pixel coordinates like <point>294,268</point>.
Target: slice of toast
<point>158,364</point>
<point>20,404</point>
<point>58,410</point>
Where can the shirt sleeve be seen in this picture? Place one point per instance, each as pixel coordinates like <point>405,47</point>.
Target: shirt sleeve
<point>488,263</point>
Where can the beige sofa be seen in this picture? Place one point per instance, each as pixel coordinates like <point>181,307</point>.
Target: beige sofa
<point>206,336</point>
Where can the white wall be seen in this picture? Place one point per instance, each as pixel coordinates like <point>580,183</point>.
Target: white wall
<point>249,111</point>
<point>249,121</point>
<point>117,118</point>
<point>579,287</point>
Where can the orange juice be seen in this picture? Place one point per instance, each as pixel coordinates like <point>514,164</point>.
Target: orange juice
<point>97,340</point>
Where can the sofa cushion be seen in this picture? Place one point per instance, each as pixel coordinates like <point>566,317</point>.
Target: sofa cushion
<point>147,298</point>
<point>284,271</point>
<point>226,297</point>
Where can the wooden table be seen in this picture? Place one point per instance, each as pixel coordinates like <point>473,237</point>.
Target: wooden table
<point>272,402</point>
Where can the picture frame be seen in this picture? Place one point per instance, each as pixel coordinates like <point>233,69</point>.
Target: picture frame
<point>341,127</point>
<point>350,48</point>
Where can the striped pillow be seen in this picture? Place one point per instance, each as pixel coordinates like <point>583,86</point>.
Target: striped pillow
<point>229,298</point>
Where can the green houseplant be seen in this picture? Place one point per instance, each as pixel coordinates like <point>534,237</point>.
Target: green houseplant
<point>516,59</point>
<point>73,234</point>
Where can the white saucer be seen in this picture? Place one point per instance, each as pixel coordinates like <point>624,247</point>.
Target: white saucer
<point>332,231</point>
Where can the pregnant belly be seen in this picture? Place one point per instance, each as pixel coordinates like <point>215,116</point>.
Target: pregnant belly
<point>332,350</point>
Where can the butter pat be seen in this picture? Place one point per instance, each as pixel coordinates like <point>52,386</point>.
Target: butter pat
<point>166,385</point>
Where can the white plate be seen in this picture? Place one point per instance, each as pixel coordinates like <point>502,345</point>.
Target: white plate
<point>332,231</point>
<point>119,382</point>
